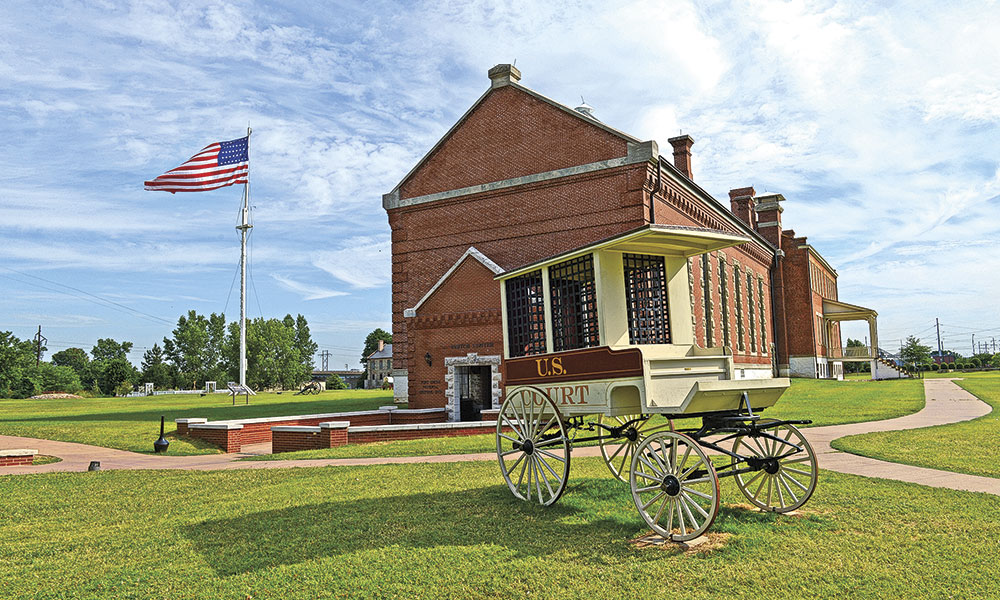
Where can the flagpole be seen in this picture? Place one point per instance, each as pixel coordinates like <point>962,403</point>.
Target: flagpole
<point>244,226</point>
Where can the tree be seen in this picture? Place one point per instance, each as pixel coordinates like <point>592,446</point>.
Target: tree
<point>914,352</point>
<point>272,358</point>
<point>334,382</point>
<point>371,342</point>
<point>18,373</point>
<point>304,344</point>
<point>116,372</point>
<point>74,358</point>
<point>154,369</point>
<point>55,378</point>
<point>111,366</point>
<point>108,349</point>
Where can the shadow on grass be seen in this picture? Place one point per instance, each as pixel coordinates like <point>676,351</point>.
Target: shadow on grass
<point>486,516</point>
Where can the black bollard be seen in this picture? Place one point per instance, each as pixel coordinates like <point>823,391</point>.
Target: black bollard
<point>161,444</point>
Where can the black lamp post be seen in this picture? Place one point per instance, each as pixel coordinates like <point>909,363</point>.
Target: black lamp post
<point>161,444</point>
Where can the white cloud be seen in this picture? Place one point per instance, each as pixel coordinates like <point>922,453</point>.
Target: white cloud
<point>308,291</point>
<point>363,262</point>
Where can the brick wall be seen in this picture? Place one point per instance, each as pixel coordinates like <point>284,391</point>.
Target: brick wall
<point>16,461</point>
<point>228,440</point>
<point>292,441</point>
<point>533,132</point>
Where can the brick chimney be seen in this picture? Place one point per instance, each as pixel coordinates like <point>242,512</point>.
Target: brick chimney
<point>741,203</point>
<point>504,74</point>
<point>682,153</point>
<point>381,345</point>
<point>769,212</point>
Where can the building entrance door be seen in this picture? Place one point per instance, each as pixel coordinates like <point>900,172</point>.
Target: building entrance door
<point>474,395</point>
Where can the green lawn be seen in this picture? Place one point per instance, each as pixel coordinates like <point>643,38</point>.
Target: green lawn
<point>453,531</point>
<point>967,447</point>
<point>837,402</point>
<point>133,423</point>
<point>825,402</point>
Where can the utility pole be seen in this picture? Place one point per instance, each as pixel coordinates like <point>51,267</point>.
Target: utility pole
<point>39,340</point>
<point>973,344</point>
<point>937,323</point>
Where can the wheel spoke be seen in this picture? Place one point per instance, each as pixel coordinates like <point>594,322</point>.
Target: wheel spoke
<point>654,498</point>
<point>781,495</point>
<point>797,460</point>
<point>509,452</point>
<point>547,425</point>
<point>798,471</point>
<point>520,477</point>
<point>697,493</point>
<point>749,482</point>
<point>687,510</point>
<point>620,448</point>
<point>769,478</point>
<point>659,511</point>
<point>643,490</point>
<point>699,480</point>
<point>759,487</point>
<point>550,455</point>
<point>513,427</point>
<point>642,474</point>
<point>652,468</point>
<point>507,437</point>
<point>743,443</point>
<point>625,459</point>
<point>680,518</point>
<point>549,468</point>
<point>670,519</point>
<point>784,480</point>
<point>687,453</point>
<point>551,442</point>
<point>514,466</point>
<point>545,477</point>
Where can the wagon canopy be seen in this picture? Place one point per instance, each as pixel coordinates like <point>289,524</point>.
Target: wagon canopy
<point>668,240</point>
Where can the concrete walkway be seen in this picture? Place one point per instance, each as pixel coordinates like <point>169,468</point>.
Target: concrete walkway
<point>945,403</point>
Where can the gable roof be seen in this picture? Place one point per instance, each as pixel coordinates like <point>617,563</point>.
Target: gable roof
<point>497,85</point>
<point>471,252</point>
<point>392,199</point>
<point>385,352</point>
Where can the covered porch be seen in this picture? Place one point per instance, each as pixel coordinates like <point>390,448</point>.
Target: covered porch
<point>835,312</point>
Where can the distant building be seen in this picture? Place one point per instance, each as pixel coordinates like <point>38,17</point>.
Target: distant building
<point>379,366</point>
<point>351,377</point>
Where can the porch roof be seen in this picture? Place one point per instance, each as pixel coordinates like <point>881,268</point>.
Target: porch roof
<point>669,240</point>
<point>834,310</point>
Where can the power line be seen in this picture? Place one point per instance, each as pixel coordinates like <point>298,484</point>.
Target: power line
<point>101,299</point>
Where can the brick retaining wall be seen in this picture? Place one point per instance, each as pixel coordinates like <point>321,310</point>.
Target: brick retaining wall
<point>17,457</point>
<point>231,435</point>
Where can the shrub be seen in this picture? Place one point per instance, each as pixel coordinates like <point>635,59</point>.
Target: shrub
<point>976,363</point>
<point>952,366</point>
<point>934,367</point>
<point>334,382</point>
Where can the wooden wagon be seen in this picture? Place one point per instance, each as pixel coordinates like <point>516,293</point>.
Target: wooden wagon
<point>601,340</point>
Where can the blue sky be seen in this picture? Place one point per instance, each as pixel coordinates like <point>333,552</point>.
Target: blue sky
<point>879,125</point>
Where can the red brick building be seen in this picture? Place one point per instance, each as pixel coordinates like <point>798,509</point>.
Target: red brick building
<point>521,177</point>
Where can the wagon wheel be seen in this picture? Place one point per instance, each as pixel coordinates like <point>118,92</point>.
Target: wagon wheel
<point>617,452</point>
<point>674,485</point>
<point>532,446</point>
<point>788,478</point>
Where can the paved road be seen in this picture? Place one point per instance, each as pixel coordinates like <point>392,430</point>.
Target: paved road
<point>945,403</point>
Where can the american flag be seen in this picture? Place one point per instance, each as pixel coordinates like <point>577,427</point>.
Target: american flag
<point>217,165</point>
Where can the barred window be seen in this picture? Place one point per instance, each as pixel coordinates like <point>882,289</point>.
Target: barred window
<point>525,315</point>
<point>706,287</point>
<point>726,341</point>
<point>574,304</point>
<point>750,309</point>
<point>763,321</point>
<point>646,299</point>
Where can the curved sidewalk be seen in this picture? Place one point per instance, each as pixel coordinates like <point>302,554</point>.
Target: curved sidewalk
<point>945,403</point>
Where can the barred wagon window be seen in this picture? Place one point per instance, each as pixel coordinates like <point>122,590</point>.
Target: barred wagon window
<point>646,299</point>
<point>525,315</point>
<point>574,304</point>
